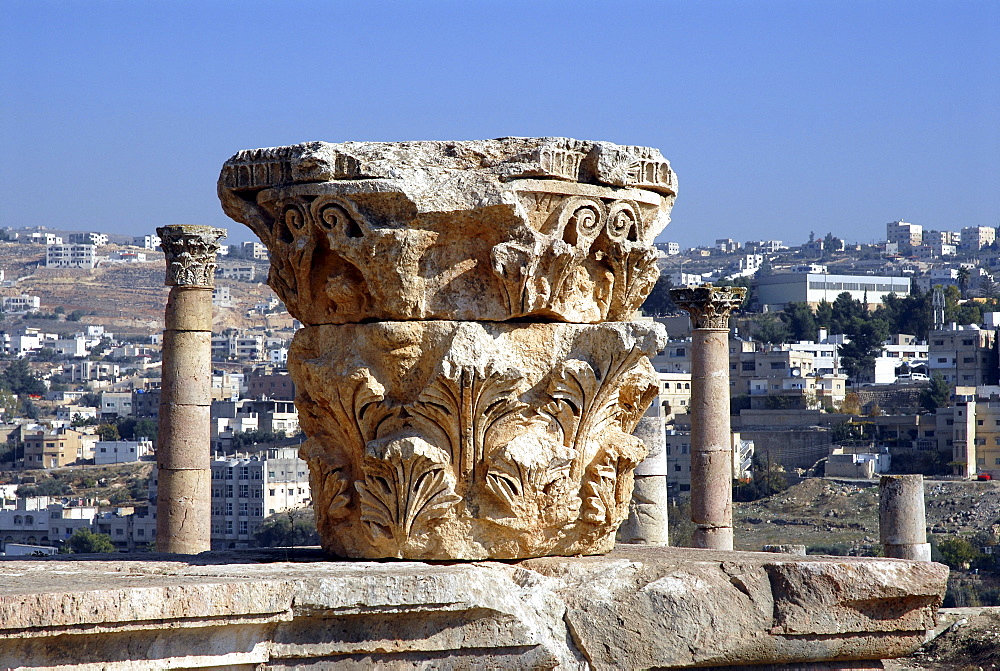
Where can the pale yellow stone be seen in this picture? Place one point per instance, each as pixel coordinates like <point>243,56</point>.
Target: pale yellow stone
<point>472,440</point>
<point>548,228</point>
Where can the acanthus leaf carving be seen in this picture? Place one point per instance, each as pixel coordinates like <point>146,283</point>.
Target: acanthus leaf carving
<point>464,405</point>
<point>531,481</point>
<point>407,483</point>
<point>607,483</point>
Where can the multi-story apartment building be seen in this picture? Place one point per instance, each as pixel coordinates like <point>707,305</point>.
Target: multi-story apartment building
<point>675,394</point>
<point>97,239</point>
<point>970,432</point>
<point>235,345</point>
<point>116,404</point>
<point>70,256</point>
<point>270,382</point>
<point>254,250</point>
<point>90,371</point>
<point>905,236</point>
<point>675,357</point>
<point>246,490</point>
<point>53,448</point>
<point>678,448</point>
<point>961,355</point>
<point>146,241</point>
<point>41,521</point>
<point>975,238</point>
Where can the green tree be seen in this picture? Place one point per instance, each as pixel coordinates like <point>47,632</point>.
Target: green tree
<point>957,553</point>
<point>291,529</point>
<point>800,322</point>
<point>844,311</point>
<point>936,395</point>
<point>108,432</point>
<point>84,541</point>
<point>963,280</point>
<point>658,303</point>
<point>19,379</point>
<point>768,327</point>
<point>866,341</point>
<point>824,314</point>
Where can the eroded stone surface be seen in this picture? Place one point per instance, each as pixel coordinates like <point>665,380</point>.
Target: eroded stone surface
<point>468,440</point>
<point>638,607</point>
<point>549,228</point>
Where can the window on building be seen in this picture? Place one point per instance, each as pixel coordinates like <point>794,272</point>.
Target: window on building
<point>244,491</point>
<point>967,342</point>
<point>244,508</point>
<point>244,472</point>
<point>229,491</point>
<point>777,365</point>
<point>979,422</point>
<point>229,508</point>
<point>749,366</point>
<point>244,527</point>
<point>969,359</point>
<point>140,532</point>
<point>229,474</point>
<point>119,532</point>
<point>229,526</point>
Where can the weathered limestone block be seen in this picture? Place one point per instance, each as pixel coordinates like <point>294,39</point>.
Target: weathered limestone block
<point>637,608</point>
<point>493,230</point>
<point>468,440</point>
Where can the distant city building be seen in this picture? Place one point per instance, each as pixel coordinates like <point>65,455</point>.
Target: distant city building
<point>121,451</point>
<point>961,355</point>
<point>22,303</point>
<point>124,256</point>
<point>97,239</point>
<point>39,238</point>
<point>975,238</point>
<point>52,448</point>
<point>240,273</point>
<point>221,297</point>
<point>70,256</point>
<point>254,250</point>
<point>906,236</point>
<point>146,241</point>
<point>774,292</point>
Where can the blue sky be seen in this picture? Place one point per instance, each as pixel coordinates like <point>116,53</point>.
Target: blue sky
<point>780,118</point>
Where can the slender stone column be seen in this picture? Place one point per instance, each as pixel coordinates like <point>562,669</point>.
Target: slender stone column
<point>184,490</point>
<point>646,523</point>
<point>902,521</point>
<point>711,440</point>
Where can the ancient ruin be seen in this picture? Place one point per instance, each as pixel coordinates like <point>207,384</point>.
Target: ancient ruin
<point>467,376</point>
<point>184,495</point>
<point>711,437</point>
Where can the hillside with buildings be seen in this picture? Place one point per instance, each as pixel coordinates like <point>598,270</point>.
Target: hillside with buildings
<point>847,360</point>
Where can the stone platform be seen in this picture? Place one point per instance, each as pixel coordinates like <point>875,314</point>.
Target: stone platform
<point>639,607</point>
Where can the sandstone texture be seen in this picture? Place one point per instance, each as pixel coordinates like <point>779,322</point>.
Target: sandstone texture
<point>549,228</point>
<point>466,377</point>
<point>444,440</point>
<point>639,607</point>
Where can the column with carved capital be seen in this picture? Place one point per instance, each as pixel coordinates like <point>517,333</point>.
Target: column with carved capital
<point>711,441</point>
<point>184,492</point>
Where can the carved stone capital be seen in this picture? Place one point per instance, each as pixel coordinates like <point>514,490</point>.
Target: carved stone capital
<point>190,254</point>
<point>514,228</point>
<point>469,440</point>
<point>709,306</point>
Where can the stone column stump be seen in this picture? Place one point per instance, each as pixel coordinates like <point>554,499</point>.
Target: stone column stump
<point>466,374</point>
<point>902,520</point>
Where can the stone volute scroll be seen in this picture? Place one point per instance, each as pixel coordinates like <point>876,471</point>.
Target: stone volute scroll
<point>467,375</point>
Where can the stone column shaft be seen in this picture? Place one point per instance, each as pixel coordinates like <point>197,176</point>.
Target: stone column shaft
<point>646,523</point>
<point>902,520</point>
<point>184,494</point>
<point>711,436</point>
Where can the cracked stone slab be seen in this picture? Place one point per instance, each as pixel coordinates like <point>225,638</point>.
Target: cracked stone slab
<point>638,607</point>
